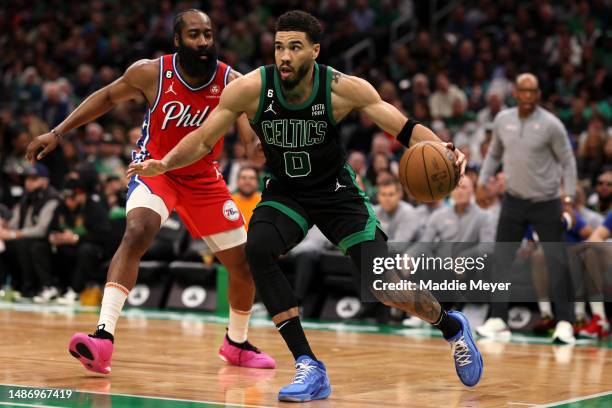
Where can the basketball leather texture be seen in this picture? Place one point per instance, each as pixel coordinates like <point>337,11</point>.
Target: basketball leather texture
<point>427,171</point>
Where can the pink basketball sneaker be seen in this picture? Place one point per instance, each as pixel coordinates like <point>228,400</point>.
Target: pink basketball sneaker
<point>94,351</point>
<point>244,355</point>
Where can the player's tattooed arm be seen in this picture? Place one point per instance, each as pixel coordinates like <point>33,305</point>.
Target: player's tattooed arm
<point>336,75</point>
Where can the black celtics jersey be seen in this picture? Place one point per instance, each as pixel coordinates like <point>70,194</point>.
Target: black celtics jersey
<point>300,142</point>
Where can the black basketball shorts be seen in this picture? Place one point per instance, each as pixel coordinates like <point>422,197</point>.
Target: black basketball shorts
<point>339,208</point>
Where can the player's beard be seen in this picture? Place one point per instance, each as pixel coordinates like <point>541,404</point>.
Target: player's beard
<point>300,73</point>
<point>193,65</point>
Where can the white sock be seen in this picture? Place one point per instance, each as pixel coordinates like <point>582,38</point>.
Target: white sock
<point>597,308</point>
<point>112,303</point>
<point>545,309</point>
<point>580,310</point>
<point>238,326</point>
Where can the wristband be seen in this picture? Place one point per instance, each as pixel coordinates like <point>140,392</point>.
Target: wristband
<point>406,133</point>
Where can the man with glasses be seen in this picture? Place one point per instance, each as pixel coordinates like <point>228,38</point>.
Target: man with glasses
<point>533,147</point>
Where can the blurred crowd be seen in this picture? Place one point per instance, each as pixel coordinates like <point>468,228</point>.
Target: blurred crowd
<point>453,74</point>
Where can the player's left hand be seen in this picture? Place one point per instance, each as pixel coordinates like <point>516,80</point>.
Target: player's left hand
<point>460,162</point>
<point>147,168</point>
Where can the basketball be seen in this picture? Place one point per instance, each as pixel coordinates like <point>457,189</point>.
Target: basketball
<point>427,171</point>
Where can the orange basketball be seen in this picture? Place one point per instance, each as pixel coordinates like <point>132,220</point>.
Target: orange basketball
<point>427,171</point>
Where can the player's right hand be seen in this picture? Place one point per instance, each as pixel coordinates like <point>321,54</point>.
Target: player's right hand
<point>148,168</point>
<point>47,142</point>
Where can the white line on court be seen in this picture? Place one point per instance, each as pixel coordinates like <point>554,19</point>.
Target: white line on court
<point>577,399</point>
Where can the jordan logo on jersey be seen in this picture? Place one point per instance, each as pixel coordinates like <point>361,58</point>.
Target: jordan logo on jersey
<point>171,88</point>
<point>338,185</point>
<point>270,108</point>
<point>176,110</point>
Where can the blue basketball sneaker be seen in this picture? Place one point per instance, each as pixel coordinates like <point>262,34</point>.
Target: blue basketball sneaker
<point>468,360</point>
<point>310,382</point>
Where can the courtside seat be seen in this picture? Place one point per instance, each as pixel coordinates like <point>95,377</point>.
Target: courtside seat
<point>337,270</point>
<point>193,286</point>
<point>341,296</point>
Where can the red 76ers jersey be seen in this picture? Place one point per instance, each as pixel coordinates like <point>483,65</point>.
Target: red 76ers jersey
<point>177,110</point>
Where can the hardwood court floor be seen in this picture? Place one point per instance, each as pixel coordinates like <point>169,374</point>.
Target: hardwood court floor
<point>176,361</point>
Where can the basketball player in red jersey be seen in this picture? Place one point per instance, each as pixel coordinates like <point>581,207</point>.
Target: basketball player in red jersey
<point>181,90</point>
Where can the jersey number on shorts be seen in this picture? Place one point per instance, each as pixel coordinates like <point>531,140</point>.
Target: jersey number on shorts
<point>297,164</point>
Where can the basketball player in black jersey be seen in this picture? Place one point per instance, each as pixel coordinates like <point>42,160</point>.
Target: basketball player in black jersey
<point>294,107</point>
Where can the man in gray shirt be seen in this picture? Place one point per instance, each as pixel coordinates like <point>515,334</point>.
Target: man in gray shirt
<point>533,147</point>
<point>424,212</point>
<point>463,222</point>
<point>398,219</point>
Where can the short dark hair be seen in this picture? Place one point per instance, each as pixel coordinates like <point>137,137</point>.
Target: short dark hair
<point>179,22</point>
<point>389,180</point>
<point>296,20</point>
<point>247,168</point>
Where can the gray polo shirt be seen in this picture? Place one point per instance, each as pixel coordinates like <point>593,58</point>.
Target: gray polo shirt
<point>536,155</point>
<point>474,225</point>
<point>446,228</point>
<point>424,212</point>
<point>402,225</point>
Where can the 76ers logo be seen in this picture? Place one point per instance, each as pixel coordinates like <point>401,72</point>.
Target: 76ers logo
<point>230,211</point>
<point>175,110</point>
